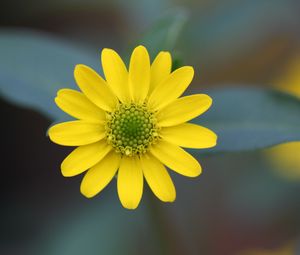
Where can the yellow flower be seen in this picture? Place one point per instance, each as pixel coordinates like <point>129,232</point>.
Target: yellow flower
<point>131,125</point>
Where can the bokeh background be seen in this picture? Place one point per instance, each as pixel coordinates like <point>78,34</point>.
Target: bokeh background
<point>245,202</point>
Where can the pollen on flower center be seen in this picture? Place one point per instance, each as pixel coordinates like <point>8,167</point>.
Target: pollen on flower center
<point>131,129</point>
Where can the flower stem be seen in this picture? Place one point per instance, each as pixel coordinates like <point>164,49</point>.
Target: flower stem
<point>168,241</point>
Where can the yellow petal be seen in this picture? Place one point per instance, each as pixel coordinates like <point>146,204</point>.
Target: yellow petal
<point>139,74</point>
<point>77,105</point>
<point>176,158</point>
<point>158,178</point>
<point>116,74</point>
<point>76,133</point>
<point>189,136</point>
<point>130,182</point>
<point>171,88</point>
<point>97,178</point>
<point>84,157</point>
<point>95,88</point>
<point>160,69</point>
<point>183,109</point>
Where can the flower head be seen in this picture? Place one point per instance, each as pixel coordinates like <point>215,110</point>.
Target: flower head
<point>132,125</point>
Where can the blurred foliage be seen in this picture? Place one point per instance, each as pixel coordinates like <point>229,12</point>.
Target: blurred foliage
<point>108,228</point>
<point>33,66</point>
<point>238,41</point>
<point>285,158</point>
<point>164,34</point>
<point>238,202</point>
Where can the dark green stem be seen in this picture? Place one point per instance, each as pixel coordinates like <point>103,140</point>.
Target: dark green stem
<point>166,233</point>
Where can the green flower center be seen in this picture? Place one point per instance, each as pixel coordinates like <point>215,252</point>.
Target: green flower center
<point>131,129</point>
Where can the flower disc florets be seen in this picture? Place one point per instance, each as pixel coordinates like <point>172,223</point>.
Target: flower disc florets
<point>131,129</point>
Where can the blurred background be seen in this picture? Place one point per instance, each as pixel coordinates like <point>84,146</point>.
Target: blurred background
<point>244,203</point>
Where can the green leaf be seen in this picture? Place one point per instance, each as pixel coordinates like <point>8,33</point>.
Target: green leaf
<point>93,231</point>
<point>33,66</point>
<point>252,118</point>
<point>100,227</point>
<point>164,34</point>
